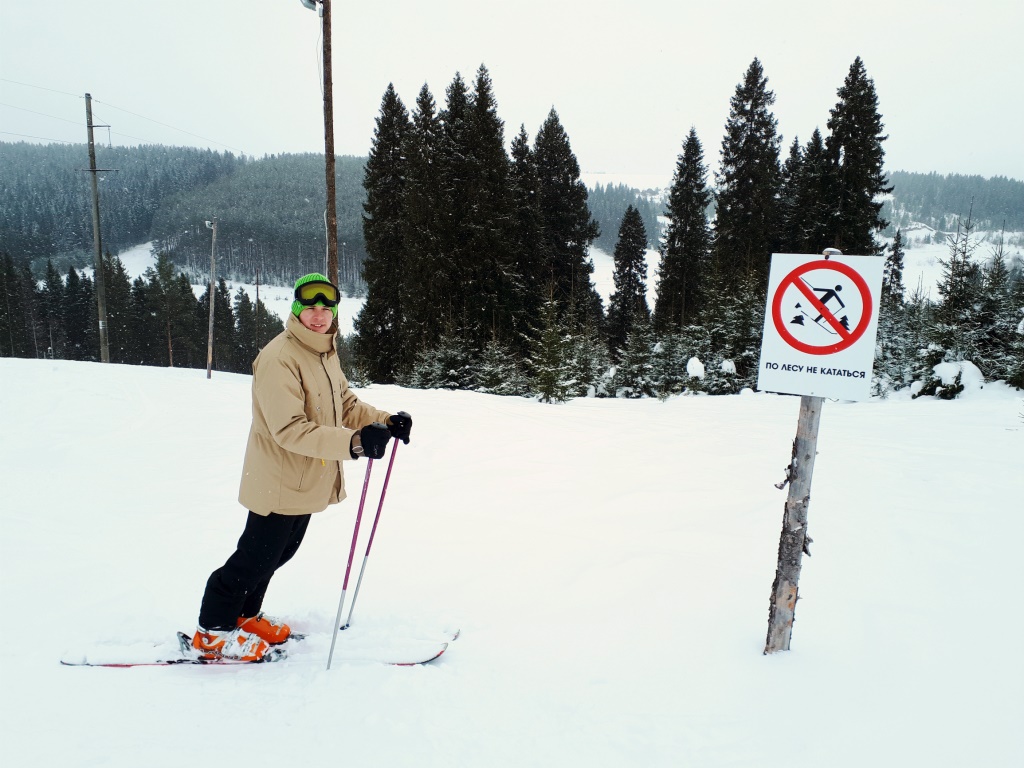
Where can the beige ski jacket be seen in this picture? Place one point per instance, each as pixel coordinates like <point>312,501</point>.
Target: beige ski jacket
<point>303,418</point>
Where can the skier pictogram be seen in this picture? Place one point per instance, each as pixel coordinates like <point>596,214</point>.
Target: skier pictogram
<point>821,313</point>
<point>827,295</point>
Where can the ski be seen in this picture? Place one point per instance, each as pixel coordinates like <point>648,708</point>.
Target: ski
<point>425,654</point>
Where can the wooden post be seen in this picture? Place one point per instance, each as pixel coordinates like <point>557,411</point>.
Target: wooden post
<point>332,205</point>
<point>101,293</point>
<point>794,541</point>
<point>209,342</point>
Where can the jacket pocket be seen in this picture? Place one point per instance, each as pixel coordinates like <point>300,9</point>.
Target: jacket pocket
<point>303,474</point>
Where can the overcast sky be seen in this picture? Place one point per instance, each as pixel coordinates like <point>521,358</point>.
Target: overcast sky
<point>627,77</point>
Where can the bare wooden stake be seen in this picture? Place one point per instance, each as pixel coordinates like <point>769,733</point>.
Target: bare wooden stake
<point>794,541</point>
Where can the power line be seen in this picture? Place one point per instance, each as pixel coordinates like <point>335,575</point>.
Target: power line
<point>121,109</point>
<point>41,88</point>
<point>41,138</point>
<point>165,125</point>
<point>54,117</point>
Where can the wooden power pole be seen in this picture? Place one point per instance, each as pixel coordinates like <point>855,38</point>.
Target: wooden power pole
<point>213,254</point>
<point>332,205</point>
<point>101,294</point>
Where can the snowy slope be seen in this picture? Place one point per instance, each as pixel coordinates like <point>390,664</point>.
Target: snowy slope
<point>609,564</point>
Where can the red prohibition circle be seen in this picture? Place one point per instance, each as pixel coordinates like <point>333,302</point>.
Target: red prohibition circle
<point>849,338</point>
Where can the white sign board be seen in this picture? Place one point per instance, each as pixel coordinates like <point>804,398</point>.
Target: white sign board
<point>820,325</point>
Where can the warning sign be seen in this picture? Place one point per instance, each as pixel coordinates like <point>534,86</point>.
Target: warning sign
<point>820,325</point>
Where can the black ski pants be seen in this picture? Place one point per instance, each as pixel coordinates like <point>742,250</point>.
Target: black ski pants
<point>237,588</point>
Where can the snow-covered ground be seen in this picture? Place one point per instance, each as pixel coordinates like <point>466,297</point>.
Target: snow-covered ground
<point>608,561</point>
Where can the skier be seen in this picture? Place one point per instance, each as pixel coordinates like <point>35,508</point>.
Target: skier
<point>305,422</point>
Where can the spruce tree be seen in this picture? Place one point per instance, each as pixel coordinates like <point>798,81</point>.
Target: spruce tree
<point>955,333</point>
<point>893,347</point>
<point>549,363</point>
<point>687,245</point>
<point>634,372</point>
<point>15,306</point>
<point>527,236</point>
<point>245,331</point>
<point>856,159</point>
<point>567,229</point>
<point>629,300</point>
<point>499,372</point>
<point>496,306</point>
<point>456,170</point>
<point>120,330</point>
<point>52,311</point>
<point>790,221</point>
<point>892,275</point>
<point>996,317</point>
<point>428,272</point>
<point>587,363</point>
<point>748,180</point>
<point>807,220</point>
<point>381,346</point>
<point>79,314</point>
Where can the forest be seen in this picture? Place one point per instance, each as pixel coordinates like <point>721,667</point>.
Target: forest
<point>473,258</point>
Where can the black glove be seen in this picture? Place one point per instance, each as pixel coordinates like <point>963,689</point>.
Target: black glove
<point>400,425</point>
<point>373,441</point>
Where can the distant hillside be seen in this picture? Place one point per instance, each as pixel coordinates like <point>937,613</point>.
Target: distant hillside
<point>937,201</point>
<point>270,211</point>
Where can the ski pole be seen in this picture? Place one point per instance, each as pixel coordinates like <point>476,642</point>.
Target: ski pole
<point>351,555</point>
<point>373,532</point>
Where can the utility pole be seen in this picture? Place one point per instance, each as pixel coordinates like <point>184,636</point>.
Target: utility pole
<point>101,294</point>
<point>328,85</point>
<point>213,253</point>
<point>332,205</point>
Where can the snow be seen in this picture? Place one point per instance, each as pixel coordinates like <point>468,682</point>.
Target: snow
<point>608,561</point>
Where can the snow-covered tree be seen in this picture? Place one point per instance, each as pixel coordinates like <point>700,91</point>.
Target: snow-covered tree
<point>629,300</point>
<point>687,245</point>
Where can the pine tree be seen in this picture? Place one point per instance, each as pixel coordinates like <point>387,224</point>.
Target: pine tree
<point>428,273</point>
<point>788,210</point>
<point>79,313</point>
<point>629,300</point>
<point>52,309</point>
<point>634,373</point>
<point>245,331</point>
<point>856,157</point>
<point>892,275</point>
<point>117,288</point>
<point>893,348</point>
<point>381,347</point>
<point>15,334</point>
<point>996,317</point>
<point>449,364</point>
<point>749,179</point>
<point>687,246</point>
<point>174,310</point>
<point>549,363</point>
<point>567,229</point>
<point>456,171</point>
<point>954,333</point>
<point>806,215</point>
<point>527,237</point>
<point>1015,366</point>
<point>496,306</point>
<point>499,372</point>
<point>587,364</point>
